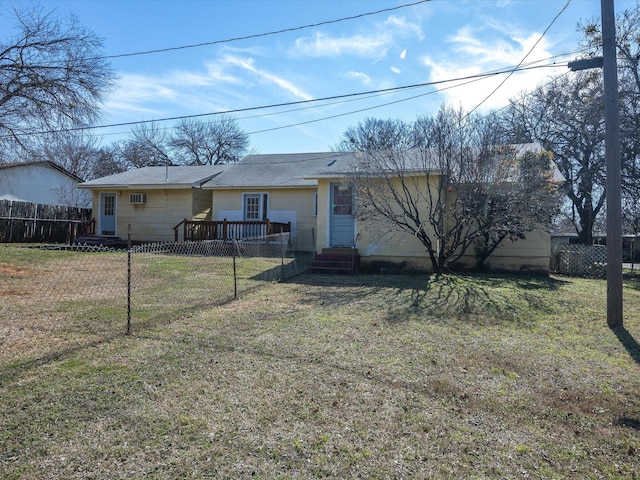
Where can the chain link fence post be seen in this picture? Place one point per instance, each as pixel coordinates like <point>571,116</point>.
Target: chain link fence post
<point>129,280</point>
<point>281,256</point>
<point>235,273</point>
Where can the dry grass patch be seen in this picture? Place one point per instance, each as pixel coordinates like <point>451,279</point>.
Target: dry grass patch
<point>345,377</point>
<point>54,300</point>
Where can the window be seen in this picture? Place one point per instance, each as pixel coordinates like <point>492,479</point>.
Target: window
<point>252,208</point>
<point>109,205</point>
<point>342,200</point>
<point>255,206</point>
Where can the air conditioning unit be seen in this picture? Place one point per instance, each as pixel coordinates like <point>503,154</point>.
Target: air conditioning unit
<point>137,198</point>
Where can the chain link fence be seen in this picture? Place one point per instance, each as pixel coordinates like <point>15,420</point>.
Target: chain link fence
<point>55,298</point>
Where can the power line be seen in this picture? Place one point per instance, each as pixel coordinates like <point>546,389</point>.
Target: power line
<point>364,96</point>
<point>378,92</point>
<point>286,104</point>
<point>259,35</point>
<point>385,104</point>
<point>374,95</point>
<point>521,61</point>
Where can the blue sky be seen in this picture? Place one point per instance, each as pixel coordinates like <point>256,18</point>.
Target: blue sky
<point>432,41</point>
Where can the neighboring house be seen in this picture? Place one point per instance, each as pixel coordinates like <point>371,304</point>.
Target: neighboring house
<point>152,200</point>
<point>309,191</point>
<point>42,182</point>
<point>573,238</point>
<point>630,243</point>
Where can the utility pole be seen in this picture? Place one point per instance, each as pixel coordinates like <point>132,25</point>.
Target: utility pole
<point>613,169</point>
<point>612,156</point>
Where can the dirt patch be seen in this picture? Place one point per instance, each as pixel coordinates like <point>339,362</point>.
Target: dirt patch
<point>15,292</point>
<point>13,271</point>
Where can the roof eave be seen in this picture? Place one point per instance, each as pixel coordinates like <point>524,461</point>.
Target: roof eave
<point>141,186</point>
<point>262,187</point>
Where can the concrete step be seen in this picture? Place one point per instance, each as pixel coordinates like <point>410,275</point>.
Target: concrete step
<point>335,263</point>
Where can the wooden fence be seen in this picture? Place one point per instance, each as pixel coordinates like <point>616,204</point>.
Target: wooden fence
<point>23,222</point>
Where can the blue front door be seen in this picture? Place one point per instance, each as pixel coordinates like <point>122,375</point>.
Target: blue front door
<point>107,214</point>
<point>341,223</point>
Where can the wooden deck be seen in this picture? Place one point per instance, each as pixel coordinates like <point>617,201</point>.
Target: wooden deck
<point>226,230</point>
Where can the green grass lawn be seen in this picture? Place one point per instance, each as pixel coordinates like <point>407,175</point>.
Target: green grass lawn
<point>345,377</point>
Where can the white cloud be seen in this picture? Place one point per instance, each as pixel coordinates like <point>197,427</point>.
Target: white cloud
<point>322,45</point>
<point>267,77</point>
<point>135,93</point>
<point>217,74</point>
<point>116,103</point>
<point>395,70</point>
<point>211,88</point>
<point>481,48</point>
<point>375,43</point>
<point>402,27</point>
<point>502,51</point>
<point>403,54</point>
<point>362,77</point>
<point>469,94</point>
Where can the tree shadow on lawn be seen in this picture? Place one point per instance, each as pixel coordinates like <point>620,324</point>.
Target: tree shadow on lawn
<point>473,298</point>
<point>628,422</point>
<point>632,282</point>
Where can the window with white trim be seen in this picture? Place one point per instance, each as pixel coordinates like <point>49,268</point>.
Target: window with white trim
<point>255,206</point>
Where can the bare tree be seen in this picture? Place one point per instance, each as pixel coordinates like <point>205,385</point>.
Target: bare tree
<point>566,116</point>
<point>517,195</point>
<point>215,142</point>
<point>190,142</point>
<point>627,45</point>
<point>109,161</point>
<point>51,76</point>
<point>628,60</point>
<point>377,134</point>
<point>443,180</point>
<point>148,147</point>
<point>75,152</point>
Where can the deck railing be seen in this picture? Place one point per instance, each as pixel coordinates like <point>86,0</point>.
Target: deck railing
<point>198,230</point>
<point>79,228</point>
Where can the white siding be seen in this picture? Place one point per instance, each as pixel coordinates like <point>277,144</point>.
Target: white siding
<point>43,184</point>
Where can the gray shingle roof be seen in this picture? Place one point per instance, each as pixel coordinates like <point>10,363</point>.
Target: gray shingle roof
<point>159,177</point>
<point>288,170</point>
<point>282,170</point>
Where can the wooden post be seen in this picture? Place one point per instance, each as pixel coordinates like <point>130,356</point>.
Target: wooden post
<point>613,167</point>
<point>224,229</point>
<point>11,221</point>
<point>282,255</point>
